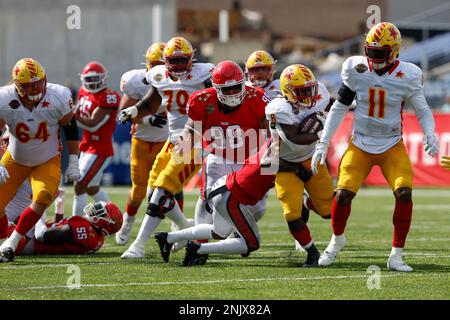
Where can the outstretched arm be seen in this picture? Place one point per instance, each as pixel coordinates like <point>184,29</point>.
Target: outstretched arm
<point>148,105</point>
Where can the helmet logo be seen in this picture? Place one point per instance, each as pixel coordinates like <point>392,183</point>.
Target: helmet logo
<point>393,33</point>
<point>17,70</point>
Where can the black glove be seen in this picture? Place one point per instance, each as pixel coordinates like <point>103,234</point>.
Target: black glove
<point>303,174</point>
<point>158,120</point>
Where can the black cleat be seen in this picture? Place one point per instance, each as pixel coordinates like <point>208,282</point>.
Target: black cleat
<point>312,260</point>
<point>6,255</point>
<point>245,255</point>
<point>164,246</point>
<point>192,258</point>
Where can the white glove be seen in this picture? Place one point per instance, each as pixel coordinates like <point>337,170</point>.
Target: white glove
<point>72,172</point>
<point>431,144</point>
<point>4,175</point>
<point>127,113</point>
<point>320,155</point>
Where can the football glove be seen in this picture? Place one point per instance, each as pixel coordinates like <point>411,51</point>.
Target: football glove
<point>445,162</point>
<point>127,114</point>
<point>73,172</point>
<point>158,120</point>
<point>4,175</point>
<point>431,144</point>
<point>320,155</point>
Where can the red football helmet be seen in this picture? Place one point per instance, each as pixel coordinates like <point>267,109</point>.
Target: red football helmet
<point>104,215</point>
<point>93,77</point>
<point>229,81</point>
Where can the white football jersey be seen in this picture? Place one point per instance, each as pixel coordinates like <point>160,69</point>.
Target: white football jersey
<point>377,122</point>
<point>135,85</point>
<point>175,94</point>
<point>280,111</point>
<point>272,89</point>
<point>34,135</point>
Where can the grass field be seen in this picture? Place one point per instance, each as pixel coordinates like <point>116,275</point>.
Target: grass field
<point>273,272</point>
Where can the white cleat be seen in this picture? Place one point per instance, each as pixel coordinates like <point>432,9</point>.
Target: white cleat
<point>337,243</point>
<point>395,262</point>
<point>135,251</point>
<point>123,235</point>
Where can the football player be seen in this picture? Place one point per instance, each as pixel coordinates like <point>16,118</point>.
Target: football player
<point>445,162</point>
<point>76,234</point>
<point>230,116</point>
<point>302,96</point>
<point>173,83</point>
<point>148,137</point>
<point>382,83</point>
<point>232,198</point>
<point>96,115</point>
<point>34,112</point>
<point>259,69</point>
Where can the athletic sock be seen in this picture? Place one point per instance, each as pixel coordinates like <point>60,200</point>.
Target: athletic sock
<point>131,210</point>
<point>149,224</point>
<point>227,246</point>
<point>302,235</point>
<point>79,202</point>
<point>101,195</point>
<point>402,222</point>
<point>339,217</point>
<point>200,231</point>
<point>176,215</point>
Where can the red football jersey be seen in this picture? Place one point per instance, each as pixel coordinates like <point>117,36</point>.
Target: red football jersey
<point>100,141</point>
<point>249,184</point>
<point>230,133</point>
<point>87,239</point>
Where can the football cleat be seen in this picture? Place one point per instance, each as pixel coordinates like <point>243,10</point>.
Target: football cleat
<point>312,260</point>
<point>395,263</point>
<point>164,246</point>
<point>192,258</point>
<point>135,251</point>
<point>6,255</point>
<point>334,247</point>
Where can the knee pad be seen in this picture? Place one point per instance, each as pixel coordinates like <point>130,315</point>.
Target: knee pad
<point>165,204</point>
<point>44,197</point>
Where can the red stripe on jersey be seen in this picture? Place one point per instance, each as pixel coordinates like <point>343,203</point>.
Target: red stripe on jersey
<point>241,223</point>
<point>98,163</point>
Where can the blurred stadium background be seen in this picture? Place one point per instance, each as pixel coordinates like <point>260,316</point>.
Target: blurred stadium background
<point>318,33</point>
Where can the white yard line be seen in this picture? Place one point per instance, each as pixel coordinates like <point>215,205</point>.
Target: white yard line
<point>220,281</point>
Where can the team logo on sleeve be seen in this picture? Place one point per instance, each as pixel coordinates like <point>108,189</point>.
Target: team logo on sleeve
<point>14,104</point>
<point>210,108</point>
<point>158,77</point>
<point>361,68</point>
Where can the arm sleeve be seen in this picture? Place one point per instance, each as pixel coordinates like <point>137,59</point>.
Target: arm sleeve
<point>345,95</point>
<point>334,119</point>
<point>71,131</point>
<point>423,113</point>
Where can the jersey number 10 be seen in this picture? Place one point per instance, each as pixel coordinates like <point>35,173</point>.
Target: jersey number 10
<point>373,102</point>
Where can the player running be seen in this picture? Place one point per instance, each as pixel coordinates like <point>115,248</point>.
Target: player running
<point>95,114</point>
<point>34,112</point>
<point>148,136</point>
<point>382,83</point>
<point>293,118</point>
<point>173,83</point>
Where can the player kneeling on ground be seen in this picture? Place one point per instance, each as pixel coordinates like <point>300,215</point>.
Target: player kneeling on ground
<point>76,234</point>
